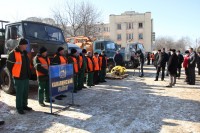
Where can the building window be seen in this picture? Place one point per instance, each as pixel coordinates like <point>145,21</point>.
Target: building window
<point>119,37</point>
<point>129,26</point>
<point>119,26</point>
<point>140,25</point>
<point>129,36</point>
<point>140,36</point>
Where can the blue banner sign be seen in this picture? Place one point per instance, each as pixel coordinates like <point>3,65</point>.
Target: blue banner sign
<point>61,79</point>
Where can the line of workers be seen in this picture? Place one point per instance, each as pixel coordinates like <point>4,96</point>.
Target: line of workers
<point>94,66</point>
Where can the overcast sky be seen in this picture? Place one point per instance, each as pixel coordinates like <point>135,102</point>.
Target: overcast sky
<point>174,18</point>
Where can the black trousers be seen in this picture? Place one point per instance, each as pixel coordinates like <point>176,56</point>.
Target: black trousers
<point>192,75</point>
<point>96,77</point>
<point>158,71</point>
<point>187,74</point>
<point>179,72</point>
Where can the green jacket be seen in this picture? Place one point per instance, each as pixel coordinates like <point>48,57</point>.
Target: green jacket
<point>25,69</point>
<point>38,67</point>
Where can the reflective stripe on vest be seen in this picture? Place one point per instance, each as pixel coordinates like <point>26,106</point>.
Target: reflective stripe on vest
<point>90,65</point>
<point>80,61</point>
<point>44,64</point>
<point>63,60</point>
<point>16,70</point>
<point>96,63</point>
<point>75,64</point>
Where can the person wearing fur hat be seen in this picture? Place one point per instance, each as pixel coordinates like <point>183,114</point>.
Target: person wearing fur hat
<point>41,63</point>
<point>58,59</point>
<point>172,68</point>
<point>72,59</point>
<point>19,66</point>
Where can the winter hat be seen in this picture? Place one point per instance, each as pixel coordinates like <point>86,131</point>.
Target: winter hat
<point>42,50</point>
<point>73,51</point>
<point>187,52</point>
<point>96,53</point>
<point>59,49</point>
<point>84,51</point>
<point>23,41</point>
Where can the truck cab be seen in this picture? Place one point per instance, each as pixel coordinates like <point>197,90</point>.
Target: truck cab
<point>110,49</point>
<point>38,35</point>
<point>131,59</point>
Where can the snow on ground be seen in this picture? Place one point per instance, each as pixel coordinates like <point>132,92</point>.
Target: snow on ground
<point>131,105</point>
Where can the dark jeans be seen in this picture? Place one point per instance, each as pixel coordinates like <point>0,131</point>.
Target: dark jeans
<point>158,71</point>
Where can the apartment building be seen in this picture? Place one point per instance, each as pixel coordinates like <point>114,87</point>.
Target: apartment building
<point>130,26</point>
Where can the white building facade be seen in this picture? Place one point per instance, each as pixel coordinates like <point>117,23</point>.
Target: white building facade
<point>128,27</point>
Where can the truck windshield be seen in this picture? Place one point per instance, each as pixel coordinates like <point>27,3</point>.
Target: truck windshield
<point>43,32</point>
<point>111,45</point>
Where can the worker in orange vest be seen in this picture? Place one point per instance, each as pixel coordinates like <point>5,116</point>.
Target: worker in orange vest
<point>82,68</point>
<point>19,66</point>
<point>90,69</point>
<point>103,65</point>
<point>58,59</point>
<point>96,68</point>
<point>41,63</point>
<point>72,59</point>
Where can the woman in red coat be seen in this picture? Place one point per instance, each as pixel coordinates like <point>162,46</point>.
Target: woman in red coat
<point>185,64</point>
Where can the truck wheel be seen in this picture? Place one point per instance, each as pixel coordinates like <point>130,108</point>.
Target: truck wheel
<point>7,81</point>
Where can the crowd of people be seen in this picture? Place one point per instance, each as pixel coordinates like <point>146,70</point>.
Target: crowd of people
<point>174,61</point>
<point>94,66</point>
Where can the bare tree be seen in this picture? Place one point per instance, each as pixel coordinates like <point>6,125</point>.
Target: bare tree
<point>76,18</point>
<point>170,43</point>
<point>164,42</point>
<point>35,19</point>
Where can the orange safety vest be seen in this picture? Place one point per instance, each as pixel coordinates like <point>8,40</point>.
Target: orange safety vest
<point>90,66</point>
<point>63,60</point>
<point>80,61</point>
<point>16,70</point>
<point>96,63</point>
<point>75,64</point>
<point>45,64</point>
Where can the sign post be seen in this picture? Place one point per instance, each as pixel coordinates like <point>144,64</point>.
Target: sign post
<point>60,81</point>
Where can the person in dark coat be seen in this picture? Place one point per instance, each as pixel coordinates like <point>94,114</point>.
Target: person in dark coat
<point>118,59</point>
<point>180,61</point>
<point>141,56</point>
<point>198,63</point>
<point>172,68</point>
<point>191,67</point>
<point>161,64</point>
<point>148,58</point>
<point>169,54</point>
